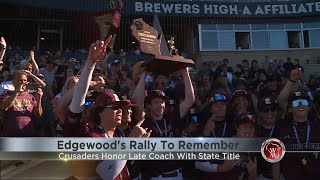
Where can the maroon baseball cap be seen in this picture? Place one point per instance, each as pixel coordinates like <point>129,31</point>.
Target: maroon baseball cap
<point>267,101</point>
<point>239,93</point>
<point>246,118</point>
<point>298,95</point>
<point>156,94</point>
<point>110,100</point>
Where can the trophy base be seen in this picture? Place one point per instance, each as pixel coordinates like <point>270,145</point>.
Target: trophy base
<point>168,64</point>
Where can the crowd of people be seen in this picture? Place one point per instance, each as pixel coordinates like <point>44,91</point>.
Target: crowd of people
<point>112,94</point>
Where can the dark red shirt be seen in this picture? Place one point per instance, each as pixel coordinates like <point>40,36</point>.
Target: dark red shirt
<point>291,165</point>
<point>17,121</point>
<point>75,127</point>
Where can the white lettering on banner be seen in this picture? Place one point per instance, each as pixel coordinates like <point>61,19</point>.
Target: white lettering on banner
<point>186,8</point>
<point>167,8</point>
<point>246,11</point>
<point>148,7</point>
<point>287,10</point>
<point>281,9</point>
<point>259,10</point>
<point>227,9</point>
<point>177,8</point>
<point>138,6</point>
<point>223,9</point>
<point>310,6</point>
<point>302,9</point>
<point>317,6</point>
<point>275,9</point>
<point>233,9</point>
<point>267,9</point>
<point>157,7</point>
<point>207,8</point>
<point>195,9</point>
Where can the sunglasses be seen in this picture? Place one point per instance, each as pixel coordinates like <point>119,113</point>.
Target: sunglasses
<point>270,109</point>
<point>217,97</point>
<point>297,102</point>
<point>88,103</point>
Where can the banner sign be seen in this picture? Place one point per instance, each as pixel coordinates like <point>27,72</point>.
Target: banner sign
<point>186,8</point>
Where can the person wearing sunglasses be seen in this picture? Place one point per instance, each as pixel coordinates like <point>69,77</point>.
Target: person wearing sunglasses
<point>105,113</point>
<point>303,135</point>
<point>215,126</point>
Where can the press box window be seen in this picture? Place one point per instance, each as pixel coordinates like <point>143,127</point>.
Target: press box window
<point>306,39</point>
<point>242,40</point>
<point>294,39</point>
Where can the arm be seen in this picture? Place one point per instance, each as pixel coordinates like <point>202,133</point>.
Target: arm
<point>96,51</point>
<point>6,104</point>
<point>38,108</point>
<point>36,79</point>
<point>139,92</point>
<point>63,103</point>
<point>110,169</point>
<point>189,97</point>
<point>206,166</point>
<point>290,87</point>
<point>3,51</point>
<point>35,67</point>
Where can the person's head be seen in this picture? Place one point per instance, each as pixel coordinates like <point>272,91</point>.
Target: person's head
<point>240,101</point>
<point>240,84</point>
<point>126,111</point>
<point>27,67</point>
<point>225,61</point>
<point>272,82</point>
<point>222,77</point>
<point>268,110</point>
<point>50,65</point>
<point>296,61</point>
<point>245,63</point>
<point>238,68</point>
<point>5,75</point>
<point>20,77</point>
<point>288,59</point>
<point>156,103</point>
<point>218,106</point>
<point>108,111</point>
<point>112,82</point>
<point>206,77</point>
<point>161,79</point>
<point>99,79</point>
<point>72,62</point>
<point>254,64</point>
<point>70,72</point>
<point>299,105</point>
<point>246,125</point>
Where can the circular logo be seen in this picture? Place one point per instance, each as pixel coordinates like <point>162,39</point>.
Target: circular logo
<point>273,150</point>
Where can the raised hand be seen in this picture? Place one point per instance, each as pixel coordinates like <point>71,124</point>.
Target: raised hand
<point>98,49</point>
<point>252,167</point>
<point>32,55</point>
<point>138,131</point>
<point>296,75</point>
<point>3,42</point>
<point>39,93</point>
<point>139,67</point>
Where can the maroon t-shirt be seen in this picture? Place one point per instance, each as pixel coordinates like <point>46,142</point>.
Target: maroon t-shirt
<point>75,127</point>
<point>291,165</point>
<point>160,128</point>
<point>17,120</point>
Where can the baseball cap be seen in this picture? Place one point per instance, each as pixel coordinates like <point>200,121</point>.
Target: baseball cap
<point>155,94</point>
<point>267,101</point>
<point>239,93</point>
<point>298,95</point>
<point>110,100</point>
<point>246,118</point>
<point>72,60</point>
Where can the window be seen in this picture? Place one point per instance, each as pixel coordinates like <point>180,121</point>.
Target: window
<point>294,38</point>
<point>278,40</point>
<point>209,40</point>
<point>226,40</point>
<point>314,38</point>
<point>306,39</point>
<point>242,40</point>
<point>260,40</point>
